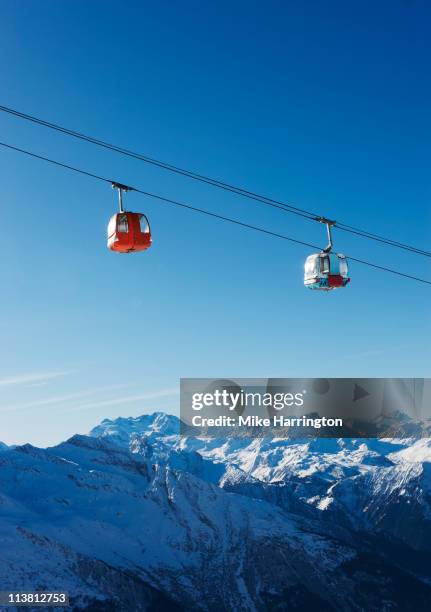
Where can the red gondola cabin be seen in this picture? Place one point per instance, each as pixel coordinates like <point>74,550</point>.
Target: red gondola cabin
<point>129,232</point>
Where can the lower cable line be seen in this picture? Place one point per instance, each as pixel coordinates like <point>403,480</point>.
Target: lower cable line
<point>202,211</point>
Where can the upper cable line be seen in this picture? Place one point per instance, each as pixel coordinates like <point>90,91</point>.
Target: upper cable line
<point>283,206</point>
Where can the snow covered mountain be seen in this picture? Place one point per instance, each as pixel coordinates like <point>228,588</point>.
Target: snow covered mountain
<point>381,487</point>
<point>134,517</point>
<point>314,472</point>
<point>154,426</point>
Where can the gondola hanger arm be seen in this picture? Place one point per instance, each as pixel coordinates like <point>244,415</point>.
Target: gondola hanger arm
<point>120,187</point>
<point>329,224</point>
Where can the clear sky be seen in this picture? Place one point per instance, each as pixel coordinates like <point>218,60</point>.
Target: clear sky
<point>324,104</point>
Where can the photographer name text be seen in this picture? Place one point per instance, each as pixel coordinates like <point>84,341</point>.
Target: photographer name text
<point>257,421</point>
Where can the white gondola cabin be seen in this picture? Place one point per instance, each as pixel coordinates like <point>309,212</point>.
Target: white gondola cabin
<point>326,270</point>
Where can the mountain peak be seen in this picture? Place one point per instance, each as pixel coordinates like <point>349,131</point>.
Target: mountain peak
<point>120,430</point>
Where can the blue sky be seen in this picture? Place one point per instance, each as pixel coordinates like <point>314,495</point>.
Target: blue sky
<point>322,104</point>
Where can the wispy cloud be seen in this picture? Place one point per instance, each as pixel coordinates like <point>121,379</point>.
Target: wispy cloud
<point>59,399</point>
<point>373,352</point>
<point>25,379</point>
<point>128,399</point>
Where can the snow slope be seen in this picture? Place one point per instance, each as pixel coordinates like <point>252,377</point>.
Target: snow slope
<point>134,517</point>
<point>87,502</point>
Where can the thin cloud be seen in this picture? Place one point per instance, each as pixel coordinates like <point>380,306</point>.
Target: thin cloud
<point>372,353</point>
<point>43,383</point>
<point>25,379</point>
<point>59,399</point>
<point>128,399</point>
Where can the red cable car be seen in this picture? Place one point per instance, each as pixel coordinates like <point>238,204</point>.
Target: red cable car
<point>128,231</point>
